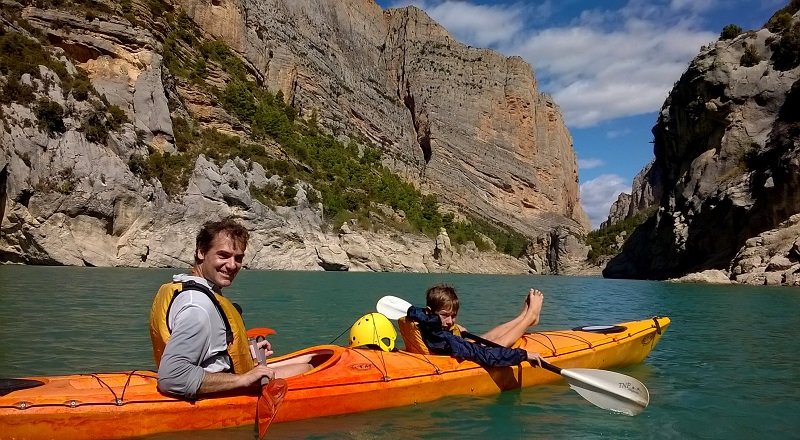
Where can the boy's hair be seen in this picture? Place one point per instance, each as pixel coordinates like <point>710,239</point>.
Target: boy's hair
<point>228,227</point>
<point>442,297</point>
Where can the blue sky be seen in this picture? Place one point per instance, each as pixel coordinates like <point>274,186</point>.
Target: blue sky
<point>608,64</point>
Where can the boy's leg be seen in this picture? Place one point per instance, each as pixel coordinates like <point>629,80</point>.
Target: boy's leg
<point>498,331</point>
<point>507,334</point>
<point>290,370</point>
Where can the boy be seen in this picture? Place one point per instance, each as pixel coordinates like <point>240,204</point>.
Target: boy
<point>441,334</point>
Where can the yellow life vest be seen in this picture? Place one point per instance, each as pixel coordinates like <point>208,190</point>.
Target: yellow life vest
<point>412,336</point>
<point>235,330</point>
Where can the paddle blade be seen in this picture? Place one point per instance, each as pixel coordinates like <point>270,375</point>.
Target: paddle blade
<point>271,397</point>
<point>260,331</point>
<point>392,306</point>
<point>608,389</point>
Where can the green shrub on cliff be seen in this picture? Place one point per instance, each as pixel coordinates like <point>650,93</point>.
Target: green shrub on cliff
<point>779,22</point>
<point>730,32</point>
<point>79,85</point>
<point>239,100</point>
<point>99,123</point>
<point>474,230</point>
<point>786,51</point>
<point>20,55</point>
<point>750,57</point>
<point>16,91</point>
<point>782,19</point>
<point>604,241</point>
<point>50,115</point>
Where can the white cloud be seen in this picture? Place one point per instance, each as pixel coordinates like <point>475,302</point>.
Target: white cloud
<point>613,134</point>
<point>596,76</point>
<point>473,24</point>
<point>692,5</point>
<point>604,65</point>
<point>485,26</point>
<point>598,194</point>
<point>588,164</point>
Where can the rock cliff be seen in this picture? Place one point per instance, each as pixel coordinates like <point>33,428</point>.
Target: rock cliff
<point>726,150</point>
<point>466,124</point>
<point>646,192</point>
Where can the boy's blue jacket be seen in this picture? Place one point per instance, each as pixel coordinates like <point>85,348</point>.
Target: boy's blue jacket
<point>441,341</point>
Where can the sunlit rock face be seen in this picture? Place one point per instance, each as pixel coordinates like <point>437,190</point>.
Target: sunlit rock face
<point>466,124</point>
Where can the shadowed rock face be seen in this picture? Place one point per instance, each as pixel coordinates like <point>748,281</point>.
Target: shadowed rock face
<point>726,147</point>
<point>464,123</point>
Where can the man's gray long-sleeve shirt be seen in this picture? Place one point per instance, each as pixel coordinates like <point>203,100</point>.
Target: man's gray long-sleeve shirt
<point>196,344</point>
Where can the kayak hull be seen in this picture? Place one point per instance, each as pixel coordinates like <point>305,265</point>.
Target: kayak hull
<point>343,380</point>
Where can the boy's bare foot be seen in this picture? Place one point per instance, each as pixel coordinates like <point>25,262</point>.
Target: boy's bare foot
<point>534,301</point>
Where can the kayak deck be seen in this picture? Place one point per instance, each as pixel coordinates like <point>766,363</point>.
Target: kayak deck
<point>343,380</point>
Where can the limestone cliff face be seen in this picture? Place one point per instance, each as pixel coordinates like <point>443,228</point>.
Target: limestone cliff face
<point>466,124</point>
<point>726,147</point>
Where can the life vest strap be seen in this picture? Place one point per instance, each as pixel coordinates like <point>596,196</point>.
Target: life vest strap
<point>194,285</point>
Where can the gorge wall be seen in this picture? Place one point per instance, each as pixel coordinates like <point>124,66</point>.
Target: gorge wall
<point>728,159</point>
<point>466,124</point>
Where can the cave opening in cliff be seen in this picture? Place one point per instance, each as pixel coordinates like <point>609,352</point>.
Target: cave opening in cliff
<point>423,133</point>
<point>3,182</point>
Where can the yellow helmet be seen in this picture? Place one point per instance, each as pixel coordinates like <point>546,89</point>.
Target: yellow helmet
<point>373,329</point>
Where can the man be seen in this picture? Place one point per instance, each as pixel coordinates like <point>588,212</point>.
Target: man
<point>199,339</point>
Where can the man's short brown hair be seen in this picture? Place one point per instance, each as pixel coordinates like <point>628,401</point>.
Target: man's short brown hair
<point>442,297</point>
<point>228,226</point>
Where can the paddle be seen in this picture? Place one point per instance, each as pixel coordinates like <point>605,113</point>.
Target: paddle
<point>606,389</point>
<point>272,394</point>
<point>260,331</point>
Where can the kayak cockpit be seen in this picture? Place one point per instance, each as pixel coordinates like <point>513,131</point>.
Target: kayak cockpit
<point>317,358</point>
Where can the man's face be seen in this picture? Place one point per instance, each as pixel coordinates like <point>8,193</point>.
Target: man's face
<point>448,318</point>
<point>221,262</point>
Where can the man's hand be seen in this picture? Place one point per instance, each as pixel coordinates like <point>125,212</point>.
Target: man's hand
<point>266,346</point>
<point>255,375</point>
<point>218,382</point>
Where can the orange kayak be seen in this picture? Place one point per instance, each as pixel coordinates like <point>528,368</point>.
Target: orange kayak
<point>343,380</point>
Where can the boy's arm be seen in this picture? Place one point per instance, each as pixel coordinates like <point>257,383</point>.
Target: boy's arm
<point>444,342</point>
<point>419,315</point>
<point>486,356</point>
<point>430,326</point>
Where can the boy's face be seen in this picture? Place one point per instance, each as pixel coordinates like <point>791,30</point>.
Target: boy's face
<point>448,318</point>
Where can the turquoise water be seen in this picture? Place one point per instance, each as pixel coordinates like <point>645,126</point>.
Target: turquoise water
<point>726,368</point>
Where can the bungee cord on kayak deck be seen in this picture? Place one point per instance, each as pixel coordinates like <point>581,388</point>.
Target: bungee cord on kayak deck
<point>570,335</point>
<point>118,400</point>
<point>425,358</point>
